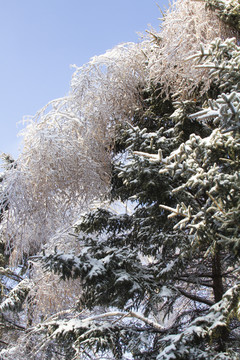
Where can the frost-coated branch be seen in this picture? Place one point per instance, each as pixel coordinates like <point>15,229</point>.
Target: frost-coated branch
<point>65,163</point>
<point>133,314</point>
<point>70,160</point>
<point>119,314</point>
<point>153,324</point>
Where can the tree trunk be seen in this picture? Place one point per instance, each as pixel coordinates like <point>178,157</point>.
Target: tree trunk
<point>217,277</point>
<point>218,292</point>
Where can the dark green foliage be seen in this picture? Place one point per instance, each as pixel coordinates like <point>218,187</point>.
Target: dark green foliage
<point>159,264</point>
<point>229,11</point>
<point>138,259</point>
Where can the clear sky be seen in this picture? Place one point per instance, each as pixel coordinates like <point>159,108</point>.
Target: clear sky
<point>40,39</point>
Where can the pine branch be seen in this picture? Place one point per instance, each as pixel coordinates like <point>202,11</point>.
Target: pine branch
<point>3,342</point>
<point>124,314</point>
<point>152,157</point>
<point>201,283</point>
<point>20,327</point>
<point>147,321</point>
<point>195,297</point>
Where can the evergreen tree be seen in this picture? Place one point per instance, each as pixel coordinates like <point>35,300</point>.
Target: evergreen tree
<point>166,270</point>
<point>227,10</point>
<point>158,263</point>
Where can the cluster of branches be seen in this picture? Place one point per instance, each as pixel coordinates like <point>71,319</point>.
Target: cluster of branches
<point>130,186</point>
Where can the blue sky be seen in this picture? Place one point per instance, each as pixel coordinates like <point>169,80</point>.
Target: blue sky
<point>40,39</point>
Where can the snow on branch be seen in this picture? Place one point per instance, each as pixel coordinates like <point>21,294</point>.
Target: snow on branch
<point>65,162</point>
<point>16,296</point>
<point>83,329</point>
<point>203,326</point>
<point>186,25</point>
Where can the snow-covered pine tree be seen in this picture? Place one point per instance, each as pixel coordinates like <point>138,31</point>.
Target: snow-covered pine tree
<point>158,264</point>
<point>228,10</point>
<point>168,283</point>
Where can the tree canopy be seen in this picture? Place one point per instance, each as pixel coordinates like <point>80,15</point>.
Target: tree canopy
<point>123,207</point>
